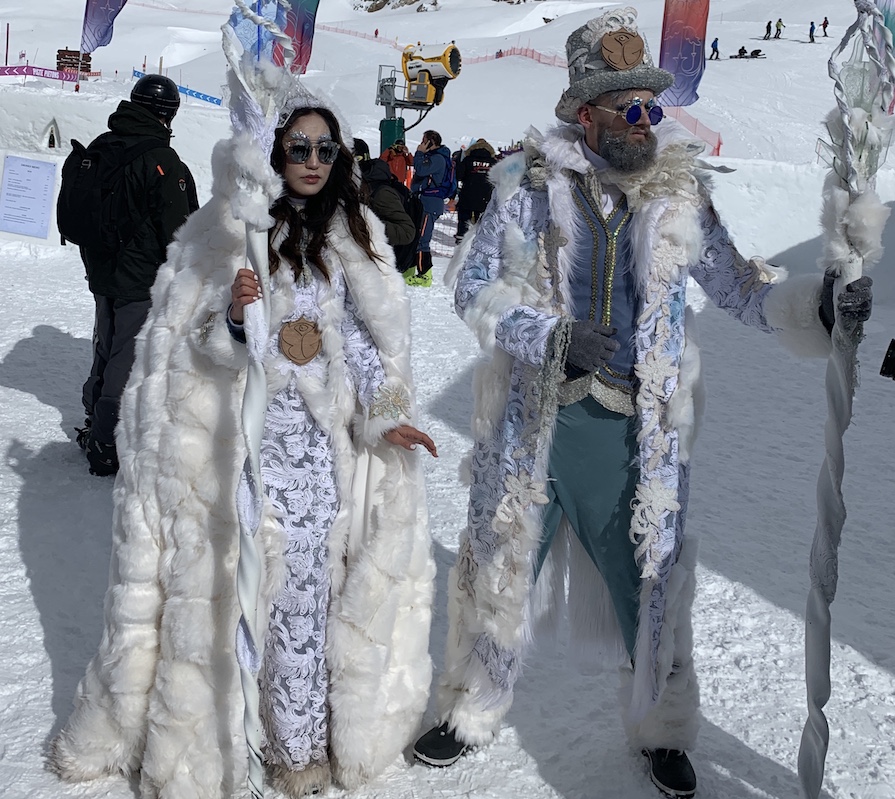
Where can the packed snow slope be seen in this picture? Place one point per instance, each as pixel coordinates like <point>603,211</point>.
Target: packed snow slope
<point>753,504</point>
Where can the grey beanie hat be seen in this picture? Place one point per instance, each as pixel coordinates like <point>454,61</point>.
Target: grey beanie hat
<point>607,55</point>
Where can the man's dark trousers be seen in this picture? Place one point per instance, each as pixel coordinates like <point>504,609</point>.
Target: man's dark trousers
<point>114,335</point>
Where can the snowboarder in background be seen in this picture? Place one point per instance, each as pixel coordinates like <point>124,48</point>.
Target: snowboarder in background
<point>780,26</point>
<point>767,32</point>
<point>475,189</point>
<point>824,24</point>
<point>715,54</point>
<point>811,32</point>
<point>588,398</point>
<point>741,53</point>
<point>161,194</point>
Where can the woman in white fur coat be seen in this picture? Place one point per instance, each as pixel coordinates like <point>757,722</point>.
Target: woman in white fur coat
<point>348,570</point>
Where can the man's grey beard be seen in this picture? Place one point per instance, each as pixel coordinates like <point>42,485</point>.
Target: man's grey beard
<point>627,156</point>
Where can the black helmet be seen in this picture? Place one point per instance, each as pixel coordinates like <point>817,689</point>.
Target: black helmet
<point>157,93</point>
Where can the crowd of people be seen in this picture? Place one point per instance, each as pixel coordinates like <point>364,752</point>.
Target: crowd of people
<point>587,400</point>
<point>436,179</point>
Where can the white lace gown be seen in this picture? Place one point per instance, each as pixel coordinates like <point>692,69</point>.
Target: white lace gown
<point>299,477</point>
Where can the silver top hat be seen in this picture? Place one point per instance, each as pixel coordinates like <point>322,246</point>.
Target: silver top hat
<point>606,55</point>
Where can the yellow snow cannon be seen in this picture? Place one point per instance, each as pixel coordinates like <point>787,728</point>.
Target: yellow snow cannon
<point>428,68</point>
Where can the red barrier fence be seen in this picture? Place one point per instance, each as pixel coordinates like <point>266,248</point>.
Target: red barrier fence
<point>523,52</point>
<point>358,35</point>
<point>709,136</point>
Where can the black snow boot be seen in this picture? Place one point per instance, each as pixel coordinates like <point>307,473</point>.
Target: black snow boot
<point>439,747</point>
<point>83,433</point>
<point>671,772</point>
<point>102,458</point>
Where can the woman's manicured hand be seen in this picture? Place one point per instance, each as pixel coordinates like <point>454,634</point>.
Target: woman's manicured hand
<point>408,437</point>
<point>244,291</point>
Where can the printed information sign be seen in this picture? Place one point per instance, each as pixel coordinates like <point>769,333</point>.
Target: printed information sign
<point>26,196</point>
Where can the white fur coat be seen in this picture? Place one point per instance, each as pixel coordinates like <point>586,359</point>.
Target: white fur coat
<point>162,696</point>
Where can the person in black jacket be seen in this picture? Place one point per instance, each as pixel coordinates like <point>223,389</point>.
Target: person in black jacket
<point>385,201</point>
<point>475,188</point>
<point>160,194</point>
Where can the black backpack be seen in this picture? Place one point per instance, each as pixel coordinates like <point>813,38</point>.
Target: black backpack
<point>92,207</point>
<point>405,254</point>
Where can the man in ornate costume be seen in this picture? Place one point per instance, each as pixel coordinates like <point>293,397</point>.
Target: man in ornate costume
<point>587,402</point>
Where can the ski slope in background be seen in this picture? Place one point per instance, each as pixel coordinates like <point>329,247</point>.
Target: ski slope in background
<point>755,465</point>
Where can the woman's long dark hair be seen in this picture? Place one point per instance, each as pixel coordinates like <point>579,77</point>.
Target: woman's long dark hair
<point>339,190</point>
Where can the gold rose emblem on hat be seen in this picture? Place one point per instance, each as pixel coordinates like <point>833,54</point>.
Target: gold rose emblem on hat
<point>300,341</point>
<point>622,49</point>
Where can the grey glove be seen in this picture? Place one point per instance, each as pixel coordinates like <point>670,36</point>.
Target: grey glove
<point>854,304</point>
<point>590,347</point>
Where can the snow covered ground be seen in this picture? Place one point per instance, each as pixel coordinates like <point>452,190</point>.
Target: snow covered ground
<point>756,462</point>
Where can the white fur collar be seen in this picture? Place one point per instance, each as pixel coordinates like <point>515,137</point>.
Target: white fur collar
<point>560,150</point>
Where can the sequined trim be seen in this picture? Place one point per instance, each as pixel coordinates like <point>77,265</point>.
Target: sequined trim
<point>390,403</point>
<point>587,191</point>
<point>207,327</point>
<point>612,398</point>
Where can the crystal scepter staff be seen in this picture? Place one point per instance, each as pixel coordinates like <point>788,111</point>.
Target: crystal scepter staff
<point>256,96</point>
<point>860,130</point>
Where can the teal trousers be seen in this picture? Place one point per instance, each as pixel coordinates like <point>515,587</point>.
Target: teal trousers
<point>593,473</point>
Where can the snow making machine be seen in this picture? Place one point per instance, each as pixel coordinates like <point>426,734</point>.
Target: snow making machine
<point>427,69</point>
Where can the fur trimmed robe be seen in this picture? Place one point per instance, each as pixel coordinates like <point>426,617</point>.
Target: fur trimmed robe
<point>162,696</point>
<point>512,288</point>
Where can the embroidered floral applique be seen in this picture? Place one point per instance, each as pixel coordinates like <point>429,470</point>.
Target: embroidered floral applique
<point>521,493</point>
<point>390,403</point>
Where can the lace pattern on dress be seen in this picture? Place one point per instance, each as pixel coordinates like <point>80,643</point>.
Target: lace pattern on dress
<point>361,355</point>
<point>298,472</point>
<point>297,465</point>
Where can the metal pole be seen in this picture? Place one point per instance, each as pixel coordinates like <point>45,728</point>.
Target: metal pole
<point>7,44</point>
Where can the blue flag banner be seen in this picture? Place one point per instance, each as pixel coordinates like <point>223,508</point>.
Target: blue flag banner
<point>98,19</point>
<point>295,18</point>
<point>683,49</point>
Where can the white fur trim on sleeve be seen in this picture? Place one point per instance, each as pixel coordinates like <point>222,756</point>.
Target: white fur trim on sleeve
<point>793,307</point>
<point>391,408</point>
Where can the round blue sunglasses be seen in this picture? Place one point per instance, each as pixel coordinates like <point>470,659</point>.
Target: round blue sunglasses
<point>633,110</point>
